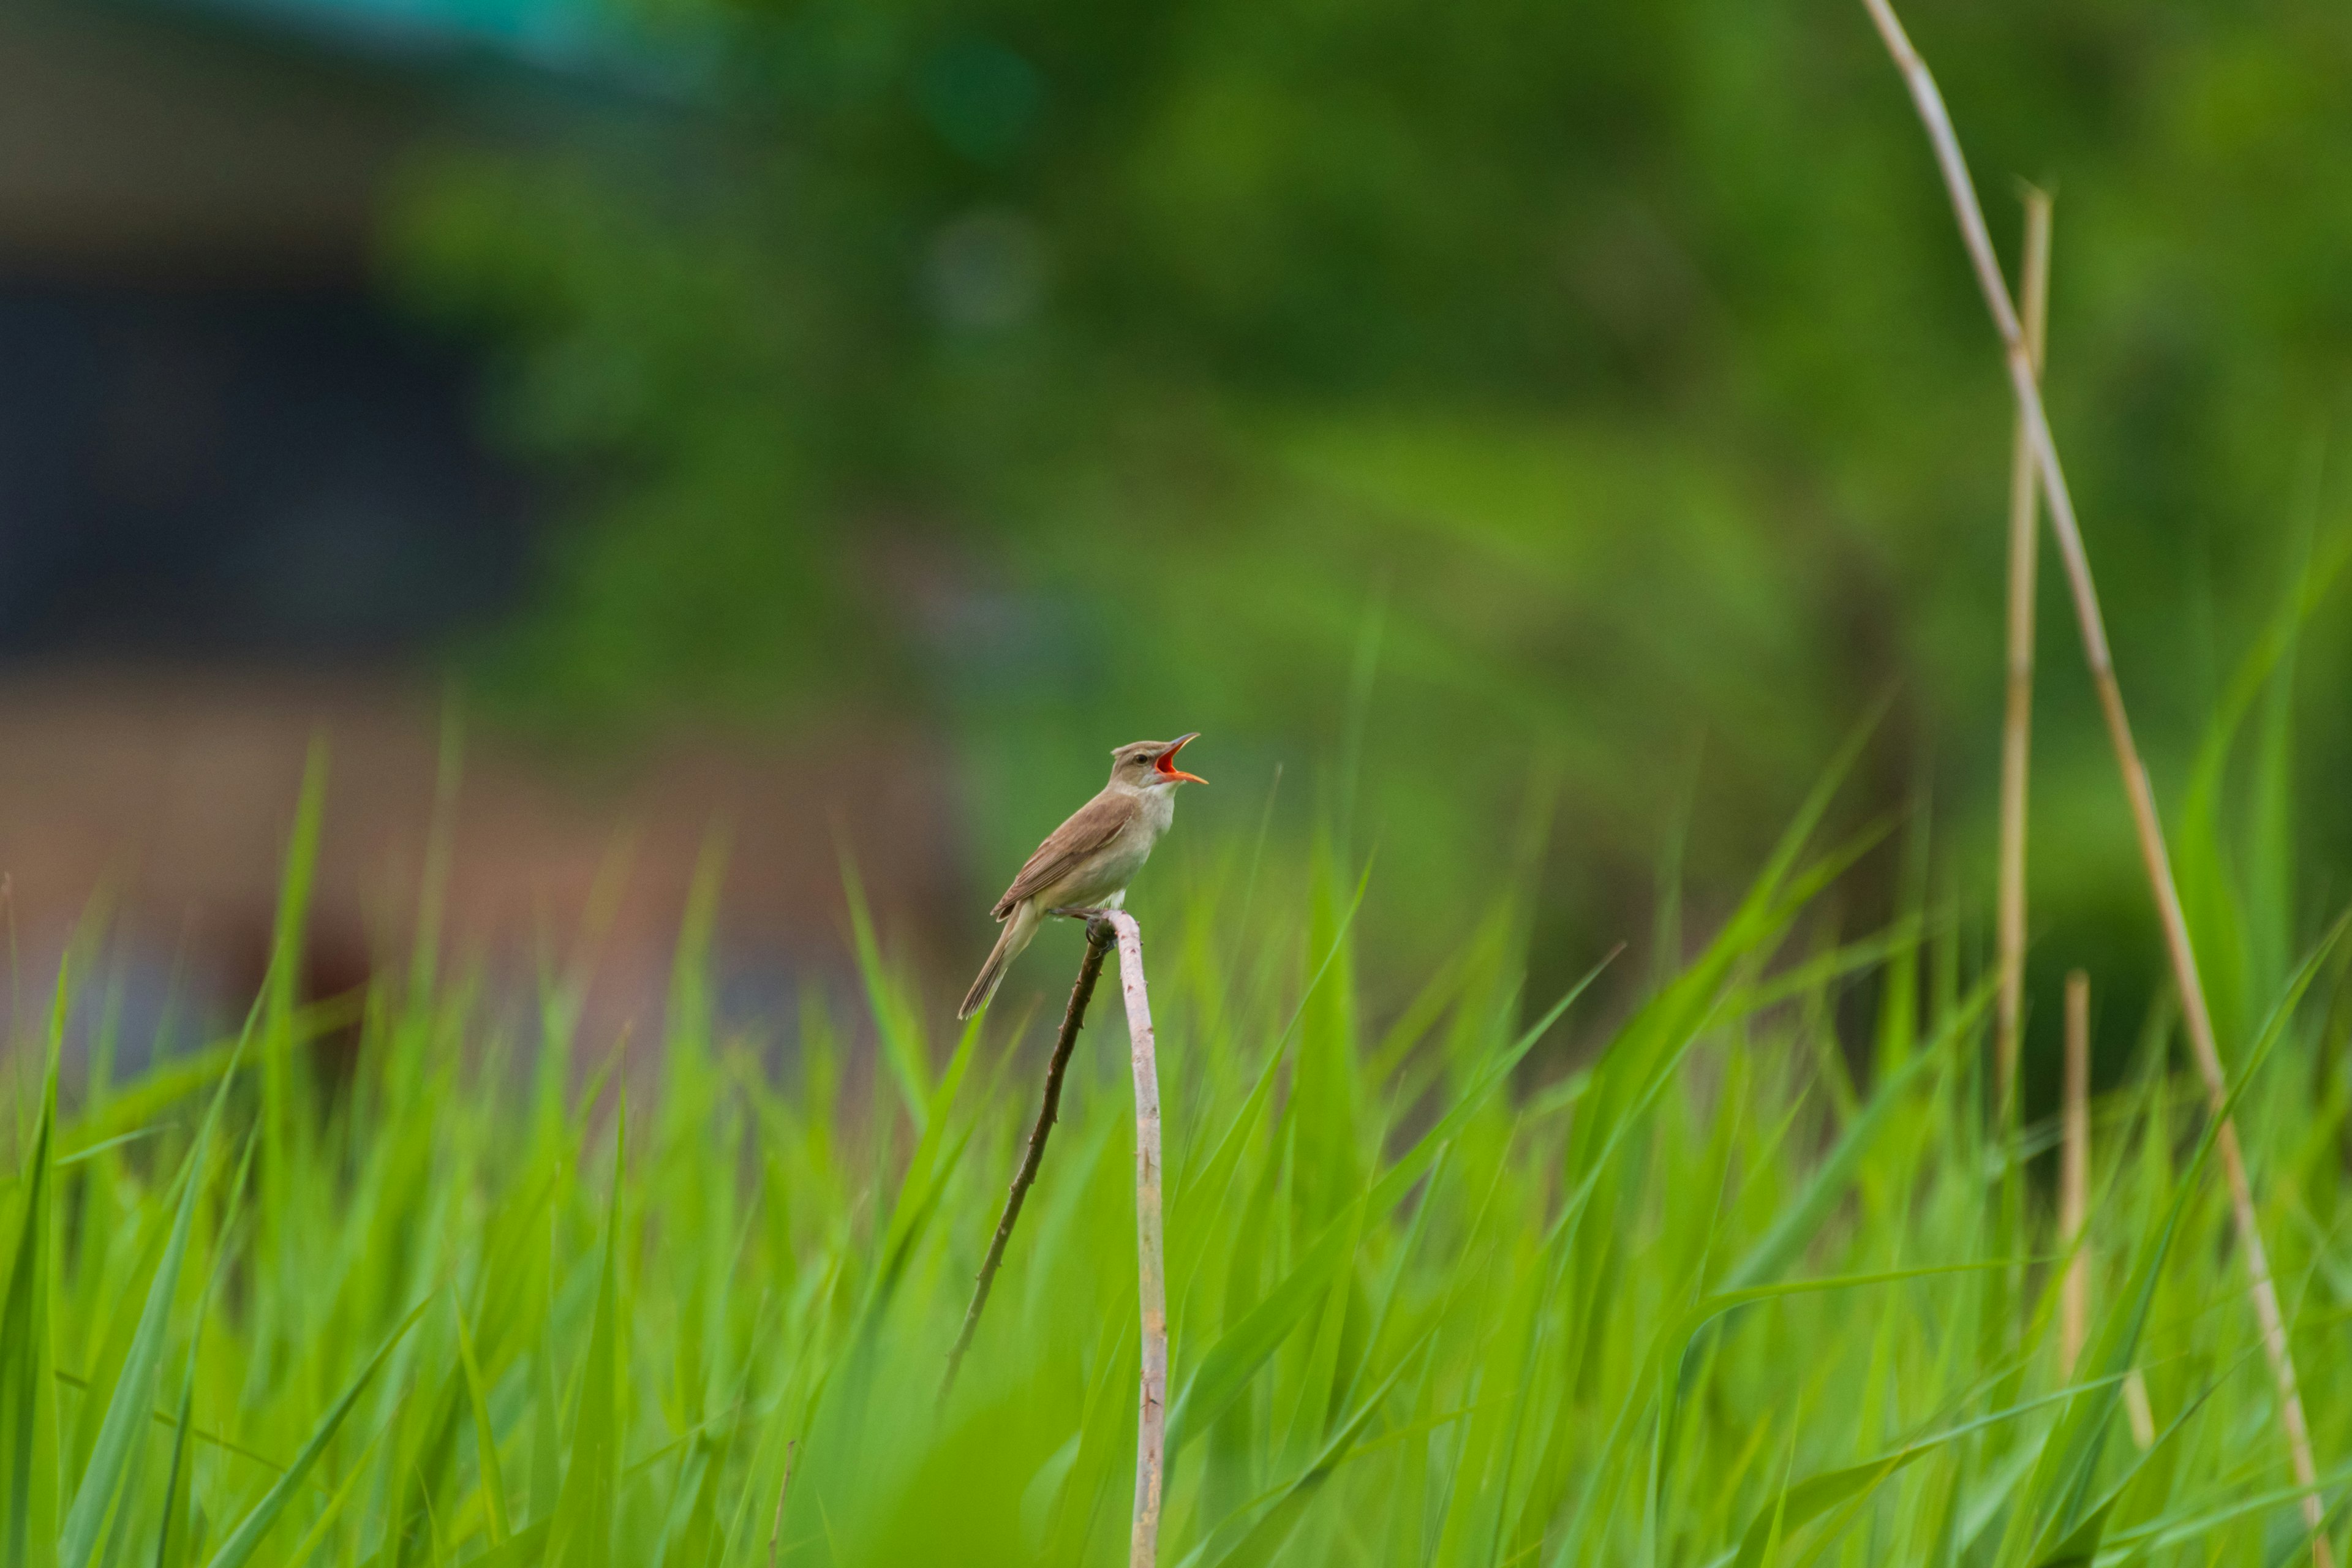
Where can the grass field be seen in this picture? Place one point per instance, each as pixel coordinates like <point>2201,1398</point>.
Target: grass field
<point>1741,1290</point>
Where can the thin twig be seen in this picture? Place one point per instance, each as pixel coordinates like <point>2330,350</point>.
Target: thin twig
<point>1099,941</point>
<point>2074,1176</point>
<point>1151,1269</point>
<point>2194,1012</point>
<point>2017,718</point>
<point>783,1488</point>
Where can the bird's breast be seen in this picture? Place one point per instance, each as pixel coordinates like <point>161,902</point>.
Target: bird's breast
<point>1109,868</point>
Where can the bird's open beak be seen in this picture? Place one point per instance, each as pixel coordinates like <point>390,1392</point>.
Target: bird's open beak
<point>1166,763</point>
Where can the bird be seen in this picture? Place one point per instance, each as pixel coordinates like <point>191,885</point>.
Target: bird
<point>1087,861</point>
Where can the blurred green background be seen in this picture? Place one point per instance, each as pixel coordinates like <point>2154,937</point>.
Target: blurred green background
<point>1537,432</point>
<point>1485,403</point>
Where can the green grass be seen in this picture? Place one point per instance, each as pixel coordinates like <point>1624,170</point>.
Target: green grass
<point>1714,1298</point>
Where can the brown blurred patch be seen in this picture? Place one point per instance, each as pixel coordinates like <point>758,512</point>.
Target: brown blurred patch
<point>172,791</point>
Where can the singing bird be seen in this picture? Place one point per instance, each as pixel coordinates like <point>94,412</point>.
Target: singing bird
<point>1087,861</point>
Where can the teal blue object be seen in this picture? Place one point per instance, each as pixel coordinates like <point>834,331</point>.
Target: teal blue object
<point>556,33</point>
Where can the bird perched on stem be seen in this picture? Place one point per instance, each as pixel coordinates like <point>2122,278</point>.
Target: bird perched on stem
<point>1086,863</point>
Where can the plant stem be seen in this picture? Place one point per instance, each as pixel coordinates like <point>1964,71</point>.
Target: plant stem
<point>2017,719</point>
<point>783,1490</point>
<point>1151,1272</point>
<point>2074,1176</point>
<point>2194,1011</point>
<point>1099,940</point>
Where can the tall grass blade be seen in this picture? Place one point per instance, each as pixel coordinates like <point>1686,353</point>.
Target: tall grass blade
<point>581,1529</point>
<point>28,1386</point>
<point>131,1405</point>
<point>246,1537</point>
<point>486,1436</point>
<point>1779,1247</point>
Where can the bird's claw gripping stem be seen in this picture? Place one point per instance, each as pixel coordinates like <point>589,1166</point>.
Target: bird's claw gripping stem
<point>1099,933</point>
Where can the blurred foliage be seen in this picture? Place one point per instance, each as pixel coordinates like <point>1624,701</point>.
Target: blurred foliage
<point>1425,391</point>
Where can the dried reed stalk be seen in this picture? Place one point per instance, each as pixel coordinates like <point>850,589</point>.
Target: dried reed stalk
<point>2198,1017</point>
<point>1151,1269</point>
<point>2075,1212</point>
<point>2075,1177</point>
<point>2017,718</point>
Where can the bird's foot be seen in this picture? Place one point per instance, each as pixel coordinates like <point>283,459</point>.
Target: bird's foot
<point>1099,931</point>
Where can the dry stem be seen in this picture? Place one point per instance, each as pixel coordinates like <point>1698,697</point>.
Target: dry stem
<point>1151,1274</point>
<point>2074,1176</point>
<point>2017,720</point>
<point>1099,940</point>
<point>2194,1012</point>
<point>2074,1211</point>
<point>783,1489</point>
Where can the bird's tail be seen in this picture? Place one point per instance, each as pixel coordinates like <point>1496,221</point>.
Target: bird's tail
<point>1018,929</point>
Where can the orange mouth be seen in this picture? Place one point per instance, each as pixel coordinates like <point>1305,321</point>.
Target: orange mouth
<point>1166,765</point>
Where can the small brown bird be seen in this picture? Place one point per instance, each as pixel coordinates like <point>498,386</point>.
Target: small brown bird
<point>1087,861</point>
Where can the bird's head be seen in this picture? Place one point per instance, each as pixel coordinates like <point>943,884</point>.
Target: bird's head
<point>1151,764</point>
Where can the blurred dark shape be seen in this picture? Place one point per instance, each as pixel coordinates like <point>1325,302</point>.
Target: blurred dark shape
<point>254,472</point>
<point>214,437</point>
<point>165,146</point>
<point>981,97</point>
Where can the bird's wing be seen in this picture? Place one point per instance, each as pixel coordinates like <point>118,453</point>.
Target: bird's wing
<point>1089,829</point>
